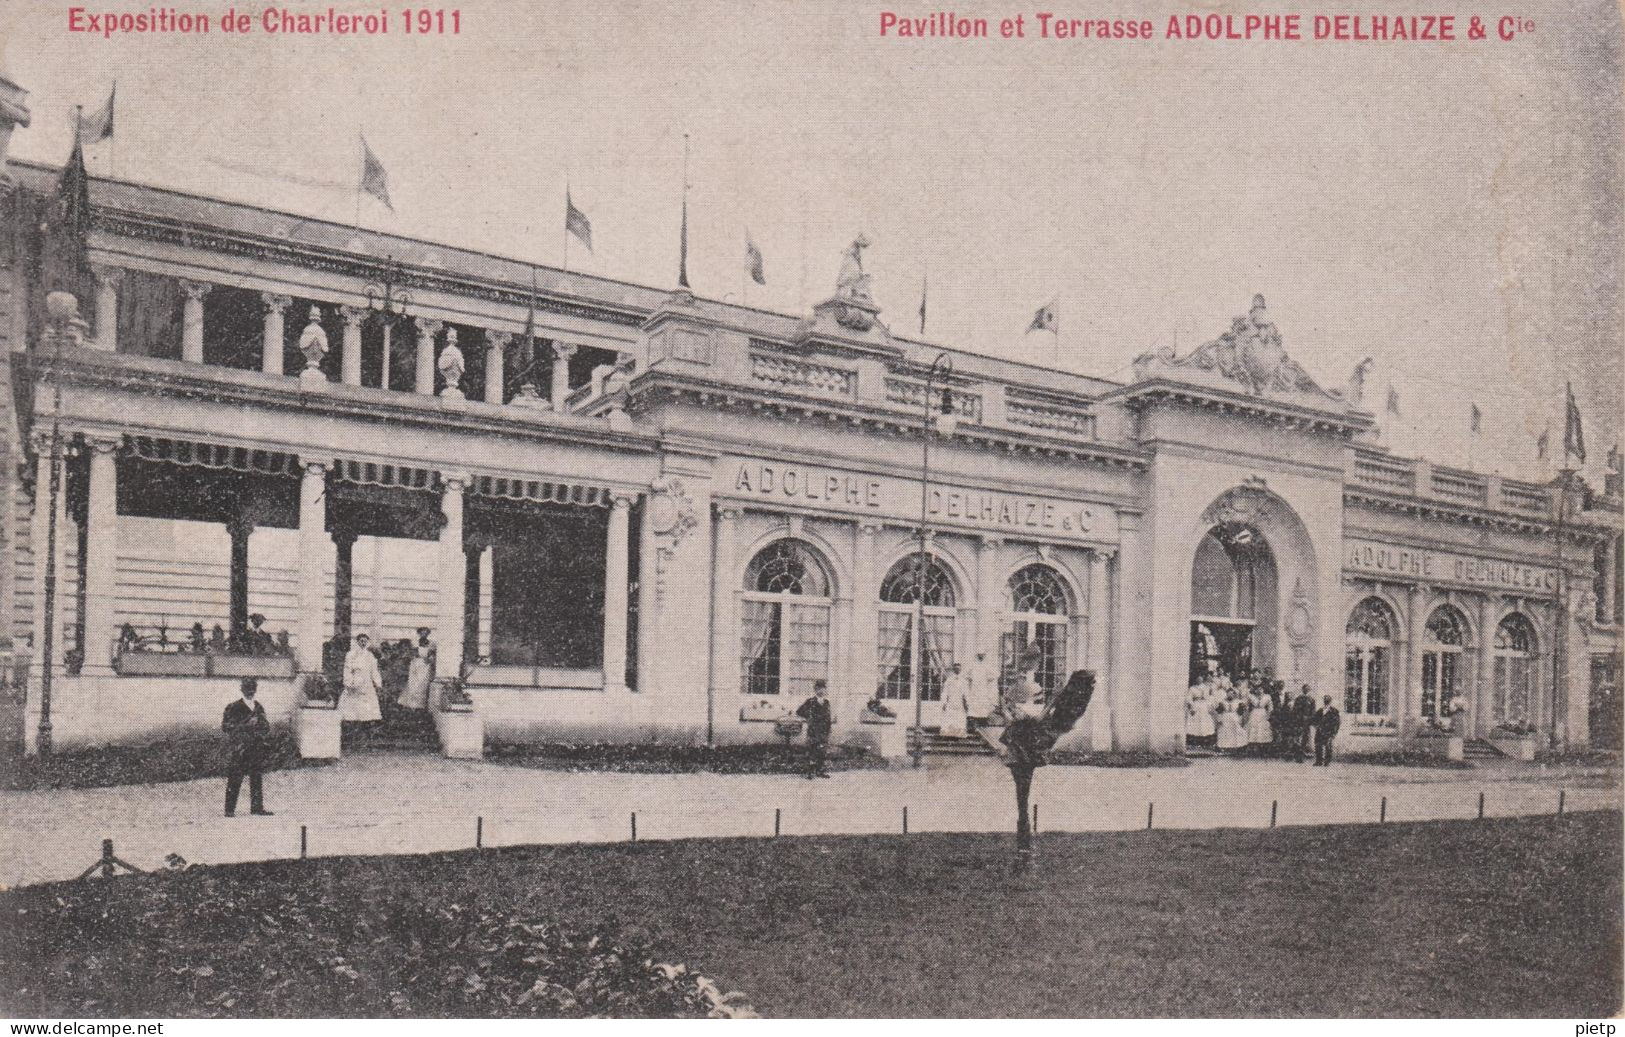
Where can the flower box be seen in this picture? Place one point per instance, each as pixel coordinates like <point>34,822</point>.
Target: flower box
<point>161,664</point>
<point>271,666</point>
<point>317,728</point>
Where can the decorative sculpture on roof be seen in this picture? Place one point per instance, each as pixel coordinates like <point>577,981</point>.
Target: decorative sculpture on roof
<point>1250,353</point>
<point>451,365</point>
<point>853,284</point>
<point>1354,391</point>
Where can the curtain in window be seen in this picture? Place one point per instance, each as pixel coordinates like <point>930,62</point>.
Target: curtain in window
<point>896,657</point>
<point>760,624</point>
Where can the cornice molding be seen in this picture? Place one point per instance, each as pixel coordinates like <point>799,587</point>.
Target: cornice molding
<point>1158,390</point>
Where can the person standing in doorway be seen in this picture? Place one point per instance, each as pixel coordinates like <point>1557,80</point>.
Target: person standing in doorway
<point>1327,722</point>
<point>984,688</point>
<point>420,674</point>
<point>248,742</point>
<point>819,717</point>
<point>956,694</point>
<point>361,683</point>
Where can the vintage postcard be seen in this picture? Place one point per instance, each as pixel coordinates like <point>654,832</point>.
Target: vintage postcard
<point>837,509</point>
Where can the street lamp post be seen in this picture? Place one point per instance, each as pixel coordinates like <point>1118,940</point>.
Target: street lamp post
<point>941,368</point>
<point>65,326</point>
<point>389,301</point>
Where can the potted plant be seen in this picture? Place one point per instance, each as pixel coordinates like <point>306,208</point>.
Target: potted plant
<point>1515,739</point>
<point>461,731</point>
<point>316,723</point>
<point>1442,734</point>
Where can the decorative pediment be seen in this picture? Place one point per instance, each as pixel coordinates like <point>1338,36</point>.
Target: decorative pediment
<point>1249,356</point>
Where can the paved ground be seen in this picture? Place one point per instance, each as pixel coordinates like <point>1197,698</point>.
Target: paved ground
<point>417,802</point>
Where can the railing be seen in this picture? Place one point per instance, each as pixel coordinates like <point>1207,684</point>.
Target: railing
<point>1459,486</point>
<point>910,393</point>
<point>1383,474</point>
<point>1521,497</point>
<point>802,376</point>
<point>196,654</point>
<point>1050,418</point>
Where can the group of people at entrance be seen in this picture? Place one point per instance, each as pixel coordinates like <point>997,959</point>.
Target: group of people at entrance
<point>966,697</point>
<point>403,675</point>
<point>1257,713</point>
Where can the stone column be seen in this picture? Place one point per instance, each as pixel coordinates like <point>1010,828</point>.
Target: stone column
<point>192,320</point>
<point>343,583</point>
<point>1610,563</point>
<point>486,600</point>
<point>725,621</point>
<point>427,330</point>
<point>273,335</point>
<point>313,545</point>
<point>496,348</point>
<point>863,630</point>
<point>615,572</point>
<point>562,352</point>
<point>108,279</point>
<point>1410,695</point>
<point>1484,680</point>
<point>1103,726</point>
<point>648,632</point>
<point>100,566</point>
<point>472,593</point>
<point>38,535</point>
<point>453,573</point>
<point>350,359</point>
<point>989,596</point>
<point>239,530</point>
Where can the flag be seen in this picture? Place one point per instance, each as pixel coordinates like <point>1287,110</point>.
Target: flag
<point>65,258</point>
<point>753,260</point>
<point>1393,401</point>
<point>923,285</point>
<point>576,222</point>
<point>1574,440</point>
<point>374,180</point>
<point>1542,442</point>
<point>682,245</point>
<point>1046,319</point>
<point>1477,416</point>
<point>98,125</point>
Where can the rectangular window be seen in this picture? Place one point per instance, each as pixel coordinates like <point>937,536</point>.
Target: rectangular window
<point>808,654</point>
<point>1430,684</point>
<point>1353,675</point>
<point>1377,686</point>
<point>762,647</point>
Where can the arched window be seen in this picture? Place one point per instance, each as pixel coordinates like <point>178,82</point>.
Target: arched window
<point>899,617</point>
<point>784,620</point>
<point>1367,660</point>
<point>1443,643</point>
<point>1036,638</point>
<point>1514,682</point>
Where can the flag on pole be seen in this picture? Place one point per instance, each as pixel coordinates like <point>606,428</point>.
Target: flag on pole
<point>924,283</point>
<point>576,222</point>
<point>1542,442</point>
<point>1046,319</point>
<point>374,180</point>
<point>1476,418</point>
<point>1393,401</point>
<point>1574,440</point>
<point>98,125</point>
<point>65,259</point>
<point>682,245</point>
<point>753,260</point>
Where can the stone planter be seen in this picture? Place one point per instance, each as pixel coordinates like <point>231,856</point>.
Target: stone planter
<point>462,733</point>
<point>269,666</point>
<point>1518,747</point>
<point>886,737</point>
<point>317,727</point>
<point>161,664</point>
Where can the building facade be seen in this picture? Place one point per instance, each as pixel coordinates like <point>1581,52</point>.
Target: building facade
<point>640,515</point>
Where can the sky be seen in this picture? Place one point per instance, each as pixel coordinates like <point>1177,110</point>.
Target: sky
<point>1452,211</point>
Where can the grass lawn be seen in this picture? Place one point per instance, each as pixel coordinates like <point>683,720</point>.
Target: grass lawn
<point>1506,917</point>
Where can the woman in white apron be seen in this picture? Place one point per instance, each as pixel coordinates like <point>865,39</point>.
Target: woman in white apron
<point>1258,720</point>
<point>955,703</point>
<point>361,684</point>
<point>1228,726</point>
<point>420,674</point>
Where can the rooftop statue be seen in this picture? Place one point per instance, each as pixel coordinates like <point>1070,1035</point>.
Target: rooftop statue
<point>1250,353</point>
<point>853,284</point>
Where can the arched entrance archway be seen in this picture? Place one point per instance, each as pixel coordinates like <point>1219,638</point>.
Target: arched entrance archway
<point>1233,603</point>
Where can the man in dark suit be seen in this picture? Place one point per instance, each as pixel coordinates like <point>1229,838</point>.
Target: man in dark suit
<point>1303,721</point>
<point>819,717</point>
<point>1327,722</point>
<point>248,739</point>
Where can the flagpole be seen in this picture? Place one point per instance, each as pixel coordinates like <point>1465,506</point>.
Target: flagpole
<point>566,224</point>
<point>112,114</point>
<point>682,260</point>
<point>361,144</point>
